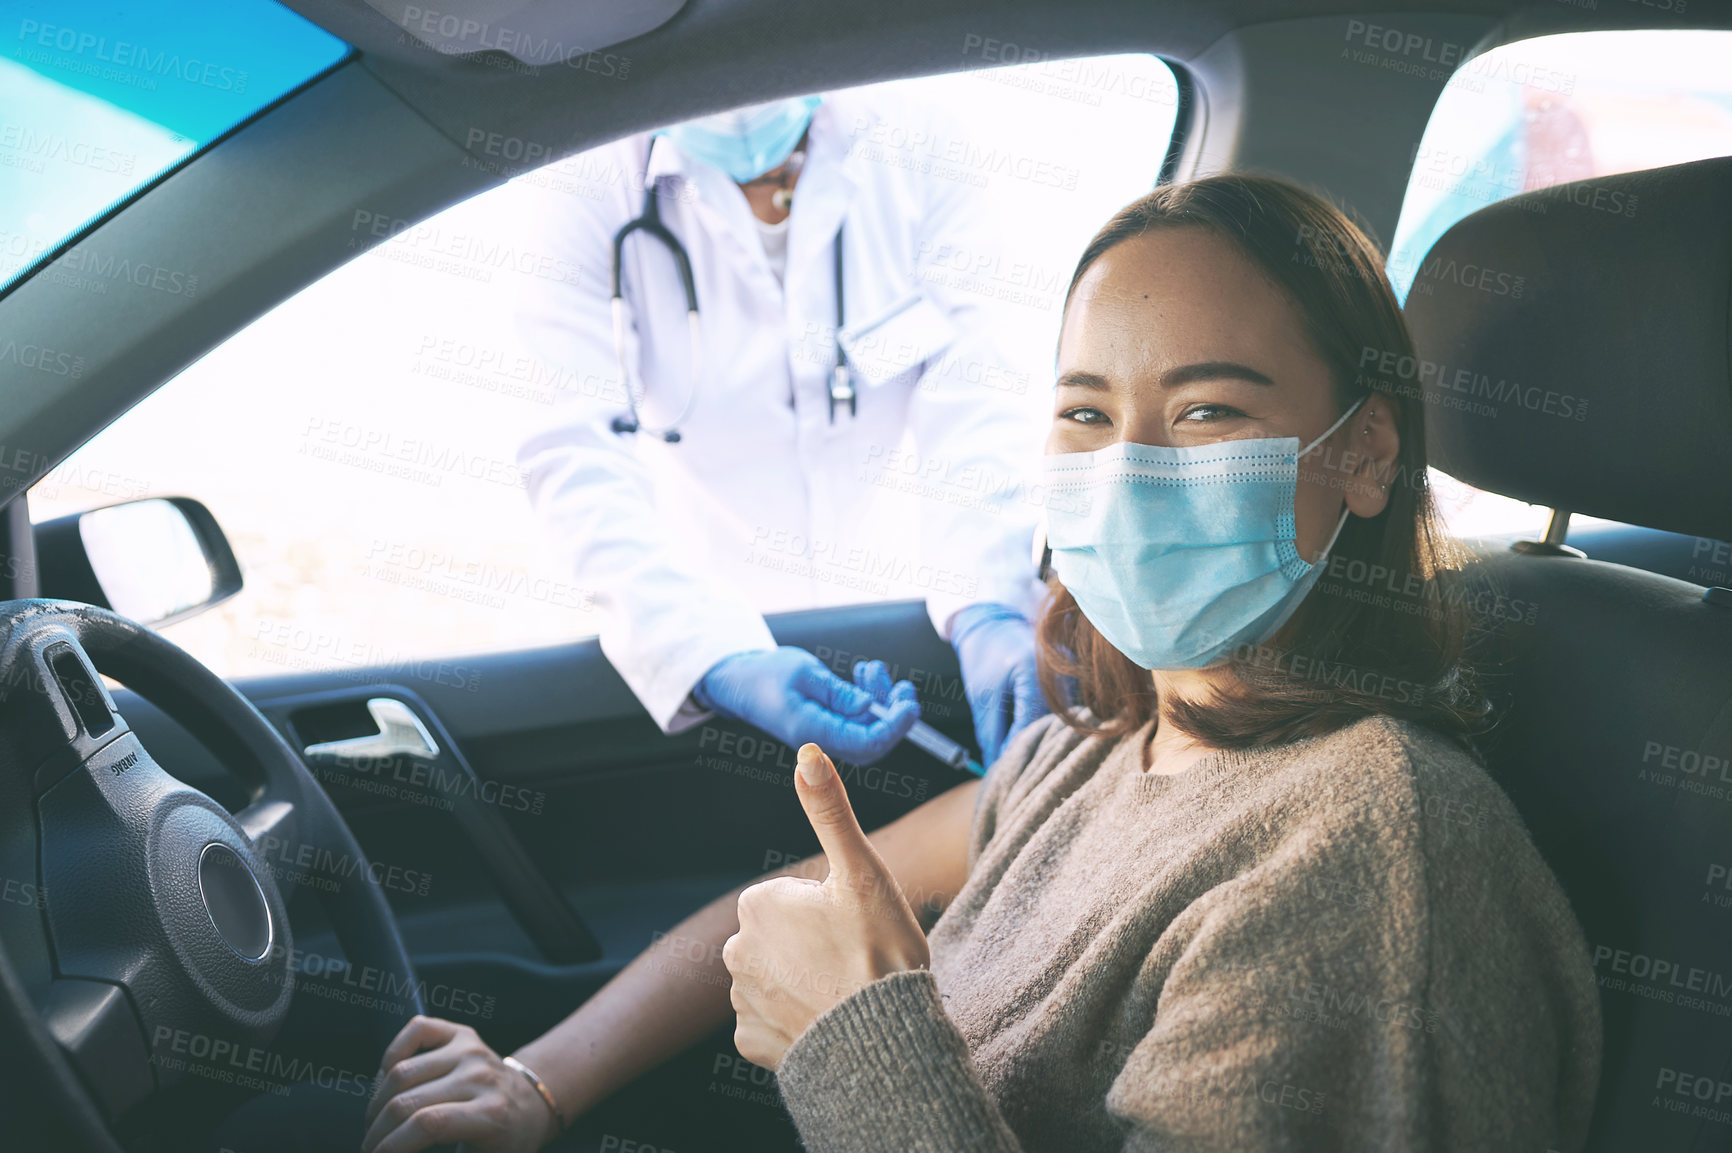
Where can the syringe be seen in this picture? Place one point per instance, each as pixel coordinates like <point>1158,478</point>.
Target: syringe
<point>926,737</point>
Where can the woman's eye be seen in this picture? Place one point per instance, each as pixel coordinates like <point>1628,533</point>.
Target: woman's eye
<point>1210,413</point>
<point>1083,414</point>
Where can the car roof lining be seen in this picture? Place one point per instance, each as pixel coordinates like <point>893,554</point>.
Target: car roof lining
<point>721,53</point>
<point>533,32</point>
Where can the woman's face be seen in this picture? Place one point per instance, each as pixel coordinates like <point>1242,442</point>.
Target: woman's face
<point>1174,338</point>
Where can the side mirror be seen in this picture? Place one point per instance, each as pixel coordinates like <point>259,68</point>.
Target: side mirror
<point>156,561</point>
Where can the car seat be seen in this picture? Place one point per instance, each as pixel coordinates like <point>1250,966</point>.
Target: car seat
<point>1574,347</point>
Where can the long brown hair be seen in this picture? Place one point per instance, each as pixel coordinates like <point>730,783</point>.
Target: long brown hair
<point>1385,629</point>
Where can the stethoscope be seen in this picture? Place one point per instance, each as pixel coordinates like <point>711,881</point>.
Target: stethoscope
<point>650,223</point>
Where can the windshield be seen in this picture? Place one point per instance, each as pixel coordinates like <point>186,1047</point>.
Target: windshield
<point>98,98</point>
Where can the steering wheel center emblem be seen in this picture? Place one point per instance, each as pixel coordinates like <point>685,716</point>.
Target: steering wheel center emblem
<point>235,901</point>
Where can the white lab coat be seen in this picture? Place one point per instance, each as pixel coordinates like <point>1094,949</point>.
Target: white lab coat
<point>765,504</point>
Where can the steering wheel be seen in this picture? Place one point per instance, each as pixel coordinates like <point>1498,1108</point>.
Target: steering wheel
<point>155,937</point>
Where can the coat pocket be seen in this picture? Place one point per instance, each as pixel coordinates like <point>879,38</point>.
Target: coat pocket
<point>899,339</point>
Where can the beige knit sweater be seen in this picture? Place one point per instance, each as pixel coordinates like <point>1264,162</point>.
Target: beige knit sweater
<point>1344,943</point>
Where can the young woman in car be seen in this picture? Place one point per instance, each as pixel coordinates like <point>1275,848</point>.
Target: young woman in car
<point>1254,892</point>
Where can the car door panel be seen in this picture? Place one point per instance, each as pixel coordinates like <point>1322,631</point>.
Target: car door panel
<point>385,740</point>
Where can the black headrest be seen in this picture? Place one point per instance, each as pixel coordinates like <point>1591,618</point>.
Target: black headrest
<point>1575,348</point>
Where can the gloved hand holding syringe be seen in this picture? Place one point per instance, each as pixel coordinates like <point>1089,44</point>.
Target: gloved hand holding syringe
<point>875,679</point>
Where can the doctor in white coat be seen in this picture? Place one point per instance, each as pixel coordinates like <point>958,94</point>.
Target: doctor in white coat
<point>744,480</point>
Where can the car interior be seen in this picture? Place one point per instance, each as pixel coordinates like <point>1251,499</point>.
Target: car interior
<point>564,829</point>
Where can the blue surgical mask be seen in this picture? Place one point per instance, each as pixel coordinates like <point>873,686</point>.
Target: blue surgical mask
<point>1179,555</point>
<point>747,142</point>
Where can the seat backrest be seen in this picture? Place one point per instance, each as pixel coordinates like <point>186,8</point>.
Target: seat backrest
<point>1605,388</point>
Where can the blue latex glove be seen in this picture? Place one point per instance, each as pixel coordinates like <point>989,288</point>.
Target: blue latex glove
<point>995,645</point>
<point>874,677</point>
<point>788,693</point>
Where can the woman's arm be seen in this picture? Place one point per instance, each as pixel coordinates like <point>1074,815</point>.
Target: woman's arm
<point>676,992</point>
<point>443,1084</point>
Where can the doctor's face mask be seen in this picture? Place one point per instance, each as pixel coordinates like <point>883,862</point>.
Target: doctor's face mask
<point>1187,404</point>
<point>746,142</point>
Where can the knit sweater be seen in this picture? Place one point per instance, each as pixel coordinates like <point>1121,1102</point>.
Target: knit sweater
<point>1348,942</point>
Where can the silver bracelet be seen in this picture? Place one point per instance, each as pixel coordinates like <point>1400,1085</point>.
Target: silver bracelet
<point>540,1087</point>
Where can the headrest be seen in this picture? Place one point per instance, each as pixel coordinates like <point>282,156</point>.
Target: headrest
<point>1575,348</point>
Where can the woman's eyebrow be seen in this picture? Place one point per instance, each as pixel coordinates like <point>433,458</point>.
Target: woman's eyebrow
<point>1079,379</point>
<point>1173,377</point>
<point>1212,370</point>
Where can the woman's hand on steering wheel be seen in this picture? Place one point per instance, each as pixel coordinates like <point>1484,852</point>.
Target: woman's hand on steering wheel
<point>442,1084</point>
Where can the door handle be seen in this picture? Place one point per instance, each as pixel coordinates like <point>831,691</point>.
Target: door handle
<point>401,733</point>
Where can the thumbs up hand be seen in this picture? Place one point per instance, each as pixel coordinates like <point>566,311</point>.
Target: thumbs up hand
<point>804,945</point>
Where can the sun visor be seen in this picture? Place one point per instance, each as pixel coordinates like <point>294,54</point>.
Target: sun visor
<point>1575,348</point>
<point>533,32</point>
